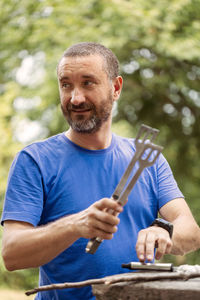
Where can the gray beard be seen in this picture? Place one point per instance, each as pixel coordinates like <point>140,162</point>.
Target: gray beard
<point>91,125</point>
<point>85,126</point>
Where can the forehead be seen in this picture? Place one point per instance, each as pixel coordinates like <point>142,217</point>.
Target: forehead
<point>94,64</point>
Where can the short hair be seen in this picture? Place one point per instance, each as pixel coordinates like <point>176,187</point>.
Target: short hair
<point>91,48</point>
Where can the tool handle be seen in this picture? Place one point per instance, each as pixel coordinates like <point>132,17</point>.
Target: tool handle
<point>93,245</point>
<point>149,266</point>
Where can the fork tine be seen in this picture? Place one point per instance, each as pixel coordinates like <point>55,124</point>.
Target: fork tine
<point>154,135</point>
<point>158,153</point>
<point>153,148</point>
<point>149,154</point>
<point>148,132</point>
<point>143,163</point>
<point>141,130</point>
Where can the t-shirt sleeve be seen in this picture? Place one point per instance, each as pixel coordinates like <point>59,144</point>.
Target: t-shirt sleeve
<point>167,185</point>
<point>24,194</point>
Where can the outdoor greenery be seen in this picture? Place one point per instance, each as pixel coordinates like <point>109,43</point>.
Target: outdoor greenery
<point>158,45</point>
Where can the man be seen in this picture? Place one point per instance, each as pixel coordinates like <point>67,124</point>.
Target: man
<point>59,189</point>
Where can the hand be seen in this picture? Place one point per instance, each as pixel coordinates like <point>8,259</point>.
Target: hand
<point>97,220</point>
<point>150,238</point>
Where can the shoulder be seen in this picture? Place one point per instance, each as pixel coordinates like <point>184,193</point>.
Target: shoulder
<point>124,142</point>
<point>53,141</point>
<point>51,146</point>
<point>43,152</point>
<point>129,143</point>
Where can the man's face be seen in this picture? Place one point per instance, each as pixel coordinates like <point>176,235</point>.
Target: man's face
<point>86,92</point>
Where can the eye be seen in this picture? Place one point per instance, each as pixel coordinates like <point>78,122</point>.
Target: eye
<point>88,83</point>
<point>65,85</point>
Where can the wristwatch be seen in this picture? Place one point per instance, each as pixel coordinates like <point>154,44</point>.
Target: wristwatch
<point>164,224</point>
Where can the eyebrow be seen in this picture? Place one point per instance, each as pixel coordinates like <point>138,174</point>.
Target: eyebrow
<point>61,78</point>
<point>89,76</point>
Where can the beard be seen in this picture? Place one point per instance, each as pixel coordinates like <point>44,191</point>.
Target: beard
<point>93,122</point>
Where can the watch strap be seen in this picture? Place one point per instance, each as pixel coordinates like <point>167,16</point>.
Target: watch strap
<point>164,224</point>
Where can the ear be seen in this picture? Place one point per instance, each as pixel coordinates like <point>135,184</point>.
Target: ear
<point>117,87</point>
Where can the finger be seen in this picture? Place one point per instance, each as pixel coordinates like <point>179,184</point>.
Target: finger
<point>140,245</point>
<point>161,250</point>
<point>102,235</point>
<point>105,231</point>
<point>164,247</point>
<point>169,247</point>
<point>106,217</point>
<point>107,203</point>
<point>150,245</point>
<point>106,227</point>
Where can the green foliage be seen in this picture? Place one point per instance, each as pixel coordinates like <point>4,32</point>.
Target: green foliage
<point>157,43</point>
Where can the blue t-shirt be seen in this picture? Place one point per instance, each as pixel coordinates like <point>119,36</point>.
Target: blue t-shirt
<point>56,178</point>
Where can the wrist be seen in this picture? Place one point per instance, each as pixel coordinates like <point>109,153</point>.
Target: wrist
<point>163,224</point>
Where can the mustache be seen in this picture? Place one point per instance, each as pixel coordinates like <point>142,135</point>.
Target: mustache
<point>83,106</point>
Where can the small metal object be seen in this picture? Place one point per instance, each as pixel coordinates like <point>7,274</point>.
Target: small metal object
<point>142,155</point>
<point>149,266</point>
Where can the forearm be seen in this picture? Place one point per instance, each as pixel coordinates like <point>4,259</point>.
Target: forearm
<point>186,236</point>
<point>33,247</point>
<point>25,246</point>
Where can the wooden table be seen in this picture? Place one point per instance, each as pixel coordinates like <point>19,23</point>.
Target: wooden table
<point>164,289</point>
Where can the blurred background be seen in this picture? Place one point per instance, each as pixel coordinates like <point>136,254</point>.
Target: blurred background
<point>158,46</point>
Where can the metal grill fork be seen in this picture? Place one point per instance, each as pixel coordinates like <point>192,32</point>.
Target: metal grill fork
<point>146,154</point>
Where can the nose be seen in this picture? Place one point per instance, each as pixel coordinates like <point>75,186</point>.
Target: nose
<point>77,97</point>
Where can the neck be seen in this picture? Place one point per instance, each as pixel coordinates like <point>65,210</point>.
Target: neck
<point>92,141</point>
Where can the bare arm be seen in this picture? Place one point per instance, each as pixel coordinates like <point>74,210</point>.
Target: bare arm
<point>186,235</point>
<point>25,246</point>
